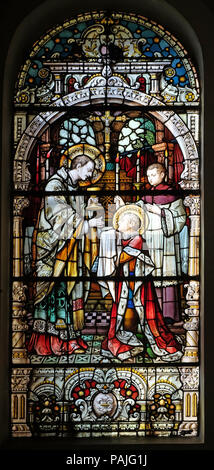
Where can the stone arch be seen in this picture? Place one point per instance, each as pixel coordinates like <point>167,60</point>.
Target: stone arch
<point>162,388</point>
<point>81,97</point>
<point>45,388</point>
<point>140,381</point>
<point>71,381</point>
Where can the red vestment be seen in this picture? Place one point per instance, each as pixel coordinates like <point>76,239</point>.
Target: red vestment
<point>162,341</point>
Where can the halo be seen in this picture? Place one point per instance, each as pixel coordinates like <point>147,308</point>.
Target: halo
<point>90,151</point>
<point>134,209</point>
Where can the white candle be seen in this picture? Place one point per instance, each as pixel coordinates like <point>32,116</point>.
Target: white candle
<point>138,167</point>
<point>117,161</point>
<point>47,166</point>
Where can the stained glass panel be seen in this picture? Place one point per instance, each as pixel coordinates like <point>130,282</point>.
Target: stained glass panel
<point>116,402</point>
<point>140,53</point>
<point>105,295</point>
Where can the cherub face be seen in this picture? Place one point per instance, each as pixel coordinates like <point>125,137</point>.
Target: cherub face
<point>155,176</point>
<point>124,224</point>
<point>128,223</point>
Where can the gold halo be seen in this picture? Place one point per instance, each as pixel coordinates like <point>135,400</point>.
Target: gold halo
<point>90,151</point>
<point>134,209</point>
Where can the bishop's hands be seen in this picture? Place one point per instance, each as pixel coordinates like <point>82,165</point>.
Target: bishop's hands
<point>95,205</point>
<point>119,202</point>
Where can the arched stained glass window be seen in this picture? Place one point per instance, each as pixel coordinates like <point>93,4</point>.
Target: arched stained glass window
<point>106,203</point>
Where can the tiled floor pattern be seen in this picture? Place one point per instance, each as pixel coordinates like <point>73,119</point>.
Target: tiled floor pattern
<point>96,328</point>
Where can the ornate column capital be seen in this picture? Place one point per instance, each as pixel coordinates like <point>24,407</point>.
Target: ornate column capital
<point>193,293</point>
<point>190,380</point>
<point>193,202</point>
<point>19,203</point>
<point>19,292</point>
<point>189,377</point>
<point>19,386</point>
<point>20,379</point>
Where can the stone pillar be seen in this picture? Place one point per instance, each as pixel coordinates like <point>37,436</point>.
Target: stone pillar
<point>178,411</point>
<point>190,381</point>
<point>193,202</point>
<point>107,119</point>
<point>19,326</point>
<point>192,324</point>
<point>154,90</point>
<point>20,202</point>
<point>58,84</point>
<point>44,161</point>
<point>190,180</point>
<point>19,388</point>
<point>193,292</point>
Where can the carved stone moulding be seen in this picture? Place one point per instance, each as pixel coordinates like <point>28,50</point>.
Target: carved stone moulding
<point>191,325</point>
<point>21,174</point>
<point>194,203</point>
<point>114,94</point>
<point>20,379</point>
<point>21,430</point>
<point>19,324</point>
<point>189,429</point>
<point>19,203</point>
